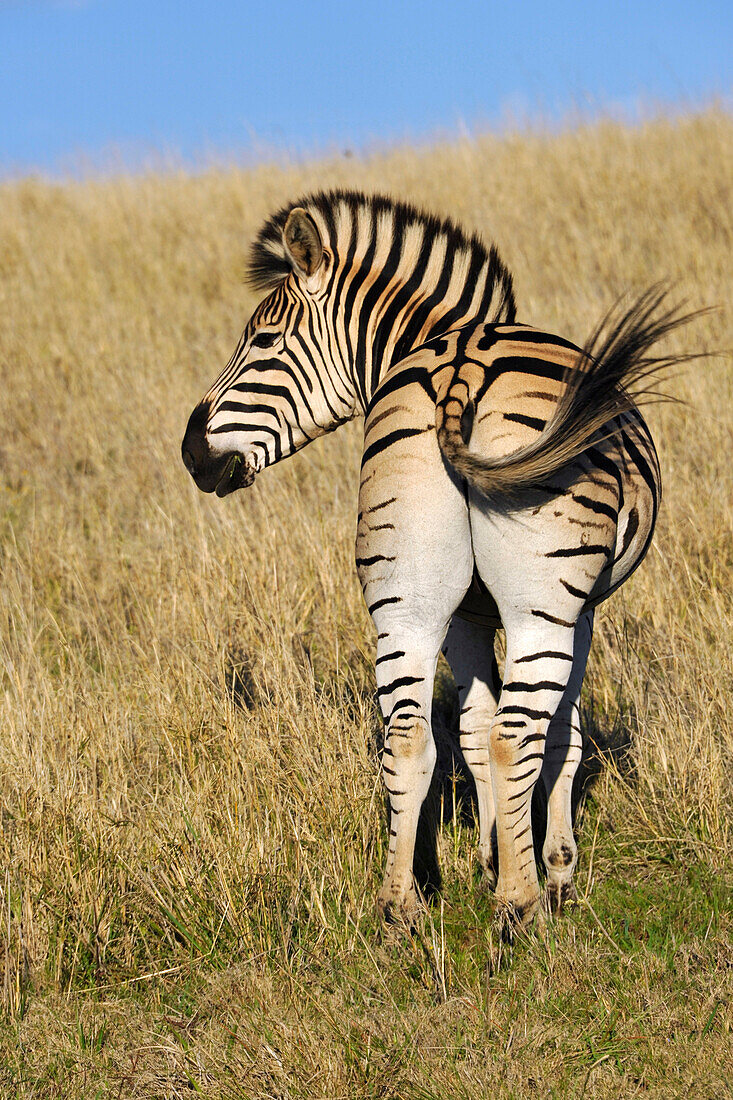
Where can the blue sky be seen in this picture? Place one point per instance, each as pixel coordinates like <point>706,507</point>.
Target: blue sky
<point>100,82</point>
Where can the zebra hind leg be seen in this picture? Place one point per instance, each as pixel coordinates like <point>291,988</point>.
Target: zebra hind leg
<point>469,650</point>
<point>536,674</point>
<point>405,674</point>
<point>562,757</point>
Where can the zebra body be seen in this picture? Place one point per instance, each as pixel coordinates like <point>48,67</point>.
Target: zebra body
<point>442,566</point>
<point>507,479</point>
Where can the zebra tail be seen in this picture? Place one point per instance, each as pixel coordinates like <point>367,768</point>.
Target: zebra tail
<point>613,374</point>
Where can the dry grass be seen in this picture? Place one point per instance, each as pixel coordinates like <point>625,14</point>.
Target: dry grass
<point>192,824</point>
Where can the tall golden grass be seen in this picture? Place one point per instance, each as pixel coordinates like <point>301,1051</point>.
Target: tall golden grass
<point>192,822</point>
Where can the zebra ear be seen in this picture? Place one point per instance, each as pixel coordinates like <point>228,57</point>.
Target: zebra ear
<point>302,241</point>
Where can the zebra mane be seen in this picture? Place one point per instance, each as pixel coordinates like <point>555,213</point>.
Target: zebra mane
<point>339,211</point>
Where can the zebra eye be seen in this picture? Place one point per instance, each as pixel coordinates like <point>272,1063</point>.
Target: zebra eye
<point>265,339</point>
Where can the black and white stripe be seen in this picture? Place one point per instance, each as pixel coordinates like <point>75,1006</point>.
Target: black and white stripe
<point>507,479</point>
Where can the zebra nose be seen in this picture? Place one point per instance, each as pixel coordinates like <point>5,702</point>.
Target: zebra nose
<point>188,461</point>
<point>195,449</point>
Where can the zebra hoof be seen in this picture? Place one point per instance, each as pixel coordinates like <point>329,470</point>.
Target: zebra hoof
<point>399,912</point>
<point>489,877</point>
<point>514,918</point>
<point>488,881</point>
<point>561,897</point>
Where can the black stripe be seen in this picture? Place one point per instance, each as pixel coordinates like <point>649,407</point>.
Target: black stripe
<point>269,389</point>
<point>642,464</point>
<point>268,410</point>
<point>390,656</point>
<point>293,331</point>
<point>319,373</point>
<point>603,462</point>
<point>372,560</point>
<point>491,336</point>
<point>246,427</point>
<point>552,619</point>
<point>578,592</point>
<point>341,305</point>
<point>271,410</point>
<point>578,551</point>
<point>515,708</point>
<point>631,528</point>
<point>531,755</point>
<point>545,653</point>
<point>383,603</point>
<point>402,704</point>
<point>538,368</point>
<point>386,441</point>
<point>520,794</point>
<point>551,490</point>
<point>326,210</point>
<point>541,685</point>
<point>530,738</point>
<point>279,366</point>
<point>384,414</point>
<point>646,472</point>
<point>597,506</point>
<point>376,507</point>
<point>542,395</point>
<point>397,381</point>
<point>529,421</point>
<point>519,778</point>
<point>246,406</point>
<point>401,681</point>
<point>498,279</point>
<point>356,355</point>
<point>584,524</point>
<point>532,336</point>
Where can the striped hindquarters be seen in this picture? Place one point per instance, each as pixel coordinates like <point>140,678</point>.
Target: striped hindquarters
<point>569,398</point>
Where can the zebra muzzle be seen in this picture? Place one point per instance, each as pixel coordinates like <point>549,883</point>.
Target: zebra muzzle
<point>237,474</point>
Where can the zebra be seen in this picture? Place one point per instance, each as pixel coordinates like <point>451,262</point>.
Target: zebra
<point>508,480</point>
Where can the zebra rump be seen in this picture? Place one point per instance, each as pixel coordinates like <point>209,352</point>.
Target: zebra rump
<point>614,374</point>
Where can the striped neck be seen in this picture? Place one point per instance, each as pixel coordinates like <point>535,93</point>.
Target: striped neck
<point>398,277</point>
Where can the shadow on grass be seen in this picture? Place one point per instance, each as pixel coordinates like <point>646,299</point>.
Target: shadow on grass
<point>250,685</point>
<point>240,680</point>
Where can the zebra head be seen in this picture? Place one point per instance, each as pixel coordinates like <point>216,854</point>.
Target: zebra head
<point>354,284</point>
<point>280,389</point>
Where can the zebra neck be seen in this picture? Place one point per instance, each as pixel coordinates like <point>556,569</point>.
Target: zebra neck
<point>400,276</point>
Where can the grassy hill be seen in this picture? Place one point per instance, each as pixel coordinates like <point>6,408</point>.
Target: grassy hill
<point>193,828</point>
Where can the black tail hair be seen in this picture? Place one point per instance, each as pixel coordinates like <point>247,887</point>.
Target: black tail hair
<point>614,373</point>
